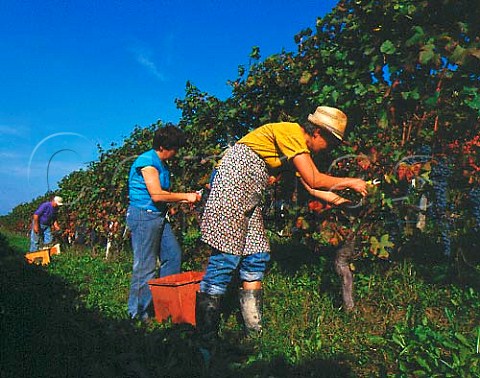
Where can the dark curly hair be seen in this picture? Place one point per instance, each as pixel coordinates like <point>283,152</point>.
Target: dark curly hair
<point>170,137</point>
<point>310,129</point>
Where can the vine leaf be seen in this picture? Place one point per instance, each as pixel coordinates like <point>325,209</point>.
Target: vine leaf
<point>427,53</point>
<point>387,47</point>
<point>417,36</point>
<point>379,248</point>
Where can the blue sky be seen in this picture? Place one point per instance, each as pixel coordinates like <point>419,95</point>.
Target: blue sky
<point>75,74</point>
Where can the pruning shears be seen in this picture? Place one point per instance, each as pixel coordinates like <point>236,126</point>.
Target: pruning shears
<point>374,182</point>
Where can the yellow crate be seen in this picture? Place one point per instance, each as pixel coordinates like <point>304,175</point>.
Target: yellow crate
<point>41,257</point>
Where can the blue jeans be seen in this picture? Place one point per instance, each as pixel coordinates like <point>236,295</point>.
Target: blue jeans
<point>221,266</point>
<point>44,235</point>
<point>152,239</point>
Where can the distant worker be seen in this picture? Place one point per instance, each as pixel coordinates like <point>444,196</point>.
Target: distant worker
<point>44,218</point>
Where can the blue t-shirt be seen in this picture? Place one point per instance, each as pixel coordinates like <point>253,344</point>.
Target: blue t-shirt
<point>47,214</point>
<point>137,189</point>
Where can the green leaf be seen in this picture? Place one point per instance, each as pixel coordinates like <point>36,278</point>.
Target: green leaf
<point>458,55</point>
<point>411,9</point>
<point>335,95</point>
<point>398,339</point>
<point>423,363</point>
<point>456,359</point>
<point>474,103</point>
<point>462,339</point>
<point>405,95</point>
<point>403,367</point>
<point>378,340</point>
<point>432,101</point>
<point>474,52</point>
<point>241,70</point>
<point>416,37</point>
<point>414,94</point>
<point>255,54</point>
<point>305,78</point>
<point>330,71</point>
<point>427,53</point>
<point>387,47</point>
<point>463,27</point>
<point>420,373</point>
<point>449,344</point>
<point>383,120</point>
<point>378,248</point>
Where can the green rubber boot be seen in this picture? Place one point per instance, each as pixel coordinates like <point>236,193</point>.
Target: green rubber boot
<point>251,303</point>
<point>207,318</point>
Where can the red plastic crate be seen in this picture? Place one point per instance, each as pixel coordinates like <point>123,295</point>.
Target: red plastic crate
<point>174,296</point>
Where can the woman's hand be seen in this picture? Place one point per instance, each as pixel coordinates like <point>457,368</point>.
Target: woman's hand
<point>358,185</point>
<point>192,197</point>
<point>325,195</point>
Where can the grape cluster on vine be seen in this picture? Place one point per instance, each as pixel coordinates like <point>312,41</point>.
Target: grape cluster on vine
<point>474,196</point>
<point>439,176</point>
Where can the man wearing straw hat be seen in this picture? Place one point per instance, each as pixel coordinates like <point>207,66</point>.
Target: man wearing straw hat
<point>44,218</point>
<point>232,223</point>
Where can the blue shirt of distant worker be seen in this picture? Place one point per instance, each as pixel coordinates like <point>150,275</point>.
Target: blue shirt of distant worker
<point>44,218</point>
<point>152,235</point>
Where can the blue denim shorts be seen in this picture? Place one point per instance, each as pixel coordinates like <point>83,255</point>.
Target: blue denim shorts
<point>221,266</point>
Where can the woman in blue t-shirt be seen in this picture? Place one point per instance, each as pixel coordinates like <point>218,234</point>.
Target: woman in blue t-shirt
<point>152,236</point>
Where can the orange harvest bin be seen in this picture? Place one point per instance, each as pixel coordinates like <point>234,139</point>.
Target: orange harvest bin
<point>174,296</point>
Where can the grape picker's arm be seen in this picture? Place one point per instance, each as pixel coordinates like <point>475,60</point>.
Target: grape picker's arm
<point>150,175</point>
<point>317,180</point>
<point>324,195</point>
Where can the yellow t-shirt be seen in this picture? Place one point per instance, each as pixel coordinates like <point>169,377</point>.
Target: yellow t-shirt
<point>276,143</point>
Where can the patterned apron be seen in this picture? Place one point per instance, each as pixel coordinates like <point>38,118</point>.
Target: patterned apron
<point>232,221</point>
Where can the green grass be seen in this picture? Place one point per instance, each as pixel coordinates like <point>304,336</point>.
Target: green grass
<point>70,319</point>
<point>20,243</point>
<point>102,285</point>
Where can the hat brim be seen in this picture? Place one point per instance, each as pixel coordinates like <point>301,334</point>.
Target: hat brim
<point>333,134</point>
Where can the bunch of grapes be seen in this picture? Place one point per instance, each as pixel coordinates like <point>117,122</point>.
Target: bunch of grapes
<point>424,150</point>
<point>355,198</point>
<point>439,176</point>
<point>475,200</point>
<point>445,237</point>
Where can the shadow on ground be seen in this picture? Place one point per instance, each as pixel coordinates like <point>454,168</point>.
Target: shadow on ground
<point>290,258</point>
<point>47,332</point>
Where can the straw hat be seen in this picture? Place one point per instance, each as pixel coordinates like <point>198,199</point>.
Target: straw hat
<point>330,119</point>
<point>58,200</point>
